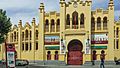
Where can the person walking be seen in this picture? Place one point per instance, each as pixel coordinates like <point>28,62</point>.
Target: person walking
<point>94,57</point>
<point>102,57</point>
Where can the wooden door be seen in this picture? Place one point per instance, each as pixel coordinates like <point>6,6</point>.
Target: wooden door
<point>75,58</point>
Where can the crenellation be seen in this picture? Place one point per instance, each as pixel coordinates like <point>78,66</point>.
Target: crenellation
<point>105,12</point>
<point>100,10</point>
<point>46,14</point>
<point>81,2</point>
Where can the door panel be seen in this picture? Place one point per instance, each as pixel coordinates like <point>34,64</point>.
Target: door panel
<point>75,58</point>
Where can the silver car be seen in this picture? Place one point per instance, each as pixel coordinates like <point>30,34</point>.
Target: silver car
<point>20,62</point>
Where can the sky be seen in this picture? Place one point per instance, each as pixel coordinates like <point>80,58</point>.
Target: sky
<point>26,10</point>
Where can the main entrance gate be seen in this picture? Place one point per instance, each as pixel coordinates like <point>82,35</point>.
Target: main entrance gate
<point>75,55</point>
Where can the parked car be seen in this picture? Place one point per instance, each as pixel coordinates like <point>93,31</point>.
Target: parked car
<point>20,62</point>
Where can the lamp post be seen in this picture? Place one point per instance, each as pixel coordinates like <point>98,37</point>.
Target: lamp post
<point>63,47</point>
<point>88,44</point>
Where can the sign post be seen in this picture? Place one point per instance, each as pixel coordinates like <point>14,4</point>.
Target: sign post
<point>10,56</point>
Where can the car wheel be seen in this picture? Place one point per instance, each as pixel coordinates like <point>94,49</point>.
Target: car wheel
<point>19,64</point>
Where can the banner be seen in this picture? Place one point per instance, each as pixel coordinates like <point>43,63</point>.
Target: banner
<point>99,39</point>
<point>87,47</point>
<point>52,40</point>
<point>62,47</point>
<point>10,55</point>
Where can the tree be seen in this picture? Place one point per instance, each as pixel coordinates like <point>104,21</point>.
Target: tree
<point>5,25</point>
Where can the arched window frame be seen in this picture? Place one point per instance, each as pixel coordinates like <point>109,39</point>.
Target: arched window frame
<point>99,23</point>
<point>15,36</point>
<point>74,19</point>
<point>82,20</point>
<point>52,25</point>
<point>68,19</point>
<point>30,34</point>
<point>23,47</point>
<point>12,37</point>
<point>58,25</point>
<point>30,46</point>
<point>93,23</point>
<point>26,46</point>
<point>105,22</point>
<point>49,55</point>
<point>37,34</point>
<point>56,56</point>
<point>46,25</point>
<point>26,34</point>
<point>22,36</point>
<point>36,48</point>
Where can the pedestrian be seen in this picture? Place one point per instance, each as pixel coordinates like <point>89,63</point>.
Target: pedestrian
<point>94,57</point>
<point>102,58</point>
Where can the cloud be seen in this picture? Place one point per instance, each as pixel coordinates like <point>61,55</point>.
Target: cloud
<point>100,4</point>
<point>51,5</point>
<point>117,4</point>
<point>27,9</point>
<point>117,14</point>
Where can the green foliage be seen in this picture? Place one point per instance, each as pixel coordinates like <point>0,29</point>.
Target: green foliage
<point>5,25</point>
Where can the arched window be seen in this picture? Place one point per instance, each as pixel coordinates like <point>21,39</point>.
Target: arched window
<point>30,46</point>
<point>26,34</point>
<point>58,25</point>
<point>47,25</point>
<point>22,36</point>
<point>105,23</point>
<point>37,34</point>
<point>26,46</point>
<point>98,23</point>
<point>74,20</point>
<point>22,46</point>
<point>52,25</point>
<point>117,32</point>
<point>14,36</point>
<point>117,43</point>
<point>47,22</point>
<point>17,36</point>
<point>36,46</point>
<point>11,37</point>
<point>56,56</point>
<point>93,23</point>
<point>117,35</point>
<point>82,20</point>
<point>68,20</point>
<point>48,55</point>
<point>30,35</point>
<point>58,21</point>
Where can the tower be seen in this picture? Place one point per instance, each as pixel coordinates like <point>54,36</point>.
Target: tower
<point>41,32</point>
<point>111,30</point>
<point>19,38</point>
<point>33,38</point>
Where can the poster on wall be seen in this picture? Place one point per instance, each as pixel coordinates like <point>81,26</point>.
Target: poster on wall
<point>62,47</point>
<point>99,39</point>
<point>52,40</point>
<point>11,58</point>
<point>87,47</point>
<point>10,55</point>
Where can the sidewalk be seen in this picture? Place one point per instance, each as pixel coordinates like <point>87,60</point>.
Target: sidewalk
<point>74,66</point>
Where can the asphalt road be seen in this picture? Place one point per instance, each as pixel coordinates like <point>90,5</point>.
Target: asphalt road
<point>67,66</point>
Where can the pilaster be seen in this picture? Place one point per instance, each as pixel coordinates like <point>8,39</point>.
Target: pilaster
<point>111,30</point>
<point>33,38</point>
<point>19,38</point>
<point>41,32</point>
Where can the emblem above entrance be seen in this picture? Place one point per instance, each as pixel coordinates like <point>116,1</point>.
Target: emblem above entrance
<point>75,4</point>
